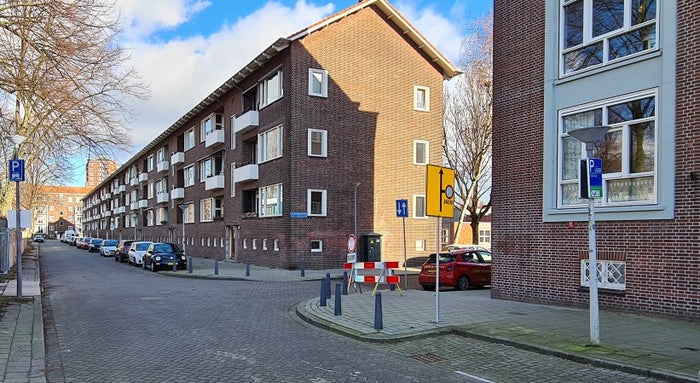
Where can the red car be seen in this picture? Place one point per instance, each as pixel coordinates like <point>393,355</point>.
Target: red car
<point>460,269</point>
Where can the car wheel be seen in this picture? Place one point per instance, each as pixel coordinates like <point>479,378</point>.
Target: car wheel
<point>428,287</point>
<point>116,258</point>
<point>462,283</point>
<point>153,267</point>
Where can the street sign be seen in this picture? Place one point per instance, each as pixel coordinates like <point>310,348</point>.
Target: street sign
<point>439,193</point>
<point>352,243</point>
<point>591,178</point>
<point>16,170</point>
<point>402,208</point>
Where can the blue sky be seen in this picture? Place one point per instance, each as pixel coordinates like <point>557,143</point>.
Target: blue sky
<point>184,49</point>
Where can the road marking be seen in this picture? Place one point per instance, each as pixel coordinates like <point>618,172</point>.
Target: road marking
<point>477,378</point>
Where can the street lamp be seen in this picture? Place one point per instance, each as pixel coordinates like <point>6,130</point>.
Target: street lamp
<point>589,136</point>
<point>183,207</point>
<point>17,140</point>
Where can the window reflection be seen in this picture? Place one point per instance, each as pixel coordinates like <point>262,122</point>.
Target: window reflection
<point>608,16</point>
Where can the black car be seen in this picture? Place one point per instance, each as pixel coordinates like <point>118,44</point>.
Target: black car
<point>163,255</point>
<point>123,250</point>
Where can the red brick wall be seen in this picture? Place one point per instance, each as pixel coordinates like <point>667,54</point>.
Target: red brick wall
<point>539,262</point>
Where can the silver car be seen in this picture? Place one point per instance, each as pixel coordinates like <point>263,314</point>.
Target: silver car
<point>136,252</point>
<point>109,247</point>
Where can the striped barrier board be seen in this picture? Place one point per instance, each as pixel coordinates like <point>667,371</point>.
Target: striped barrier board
<point>385,276</point>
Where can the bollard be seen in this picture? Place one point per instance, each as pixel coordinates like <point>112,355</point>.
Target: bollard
<point>189,265</point>
<point>302,268</point>
<point>323,292</point>
<point>216,267</point>
<point>345,283</point>
<point>328,285</point>
<point>378,323</point>
<point>337,310</point>
<point>247,268</point>
<point>175,264</point>
<point>392,287</point>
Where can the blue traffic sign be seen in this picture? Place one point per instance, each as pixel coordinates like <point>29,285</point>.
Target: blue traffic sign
<point>595,178</point>
<point>16,170</point>
<point>402,208</point>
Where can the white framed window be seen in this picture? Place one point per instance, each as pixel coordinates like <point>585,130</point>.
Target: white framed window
<point>151,190</point>
<point>233,179</point>
<point>318,82</point>
<point>317,143</point>
<point>233,132</point>
<point>419,206</point>
<point>316,246</point>
<point>270,89</point>
<point>245,243</point>
<point>209,167</point>
<point>214,121</point>
<point>421,151</point>
<point>161,155</point>
<point>150,217</point>
<point>206,210</point>
<point>484,236</point>
<point>421,98</point>
<point>255,243</point>
<point>161,186</point>
<point>276,244</point>
<point>316,202</point>
<point>189,139</point>
<point>161,216</point>
<point>597,32</point>
<point>188,175</point>
<point>420,244</point>
<point>150,163</point>
<point>628,151</point>
<point>270,144</point>
<point>270,201</point>
<point>189,213</point>
<point>264,244</point>
<point>611,274</point>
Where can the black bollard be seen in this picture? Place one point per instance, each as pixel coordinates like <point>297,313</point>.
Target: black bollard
<point>189,265</point>
<point>303,273</point>
<point>392,287</point>
<point>328,285</point>
<point>378,323</point>
<point>175,264</point>
<point>345,283</point>
<point>337,310</point>
<point>323,292</point>
<point>216,267</point>
<point>247,268</point>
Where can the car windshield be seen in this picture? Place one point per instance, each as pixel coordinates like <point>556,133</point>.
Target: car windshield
<point>486,256</point>
<point>444,258</point>
<point>96,241</point>
<point>111,242</point>
<point>142,246</point>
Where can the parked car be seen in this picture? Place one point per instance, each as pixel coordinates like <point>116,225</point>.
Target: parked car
<point>39,238</point>
<point>163,255</point>
<point>123,250</point>
<point>84,242</point>
<point>94,245</point>
<point>458,246</point>
<point>136,251</point>
<point>75,240</point>
<point>460,269</point>
<point>108,248</point>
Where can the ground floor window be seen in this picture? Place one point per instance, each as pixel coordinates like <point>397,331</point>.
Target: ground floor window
<point>611,274</point>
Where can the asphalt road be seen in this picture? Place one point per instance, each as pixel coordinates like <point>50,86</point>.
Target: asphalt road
<point>110,322</point>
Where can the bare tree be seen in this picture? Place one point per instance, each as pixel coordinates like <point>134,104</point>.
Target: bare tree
<point>468,128</point>
<point>64,85</point>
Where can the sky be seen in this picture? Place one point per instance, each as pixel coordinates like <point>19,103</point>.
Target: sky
<point>185,49</point>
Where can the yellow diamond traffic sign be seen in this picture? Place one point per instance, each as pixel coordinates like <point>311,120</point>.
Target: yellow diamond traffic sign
<point>439,192</point>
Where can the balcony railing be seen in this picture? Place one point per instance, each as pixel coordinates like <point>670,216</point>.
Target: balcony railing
<point>245,173</point>
<point>134,181</point>
<point>143,203</point>
<point>162,197</point>
<point>214,182</point>
<point>162,166</point>
<point>177,193</point>
<point>121,189</point>
<point>246,121</point>
<point>214,138</point>
<point>143,177</point>
<point>177,158</point>
<point>134,206</point>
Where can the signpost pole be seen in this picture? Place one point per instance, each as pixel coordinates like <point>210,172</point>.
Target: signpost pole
<point>405,266</point>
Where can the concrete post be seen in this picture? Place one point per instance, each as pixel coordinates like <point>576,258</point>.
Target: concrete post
<point>337,309</point>
<point>378,322</point>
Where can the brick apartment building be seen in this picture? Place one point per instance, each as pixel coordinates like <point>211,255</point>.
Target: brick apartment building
<point>268,167</point>
<point>97,170</point>
<point>633,66</point>
<point>58,208</point>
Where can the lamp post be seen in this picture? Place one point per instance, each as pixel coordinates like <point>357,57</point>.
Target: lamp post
<point>17,140</point>
<point>355,208</point>
<point>589,136</point>
<point>183,207</point>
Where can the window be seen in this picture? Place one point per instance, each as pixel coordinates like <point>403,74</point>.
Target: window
<point>162,186</point>
<point>318,143</point>
<point>420,152</point>
<point>421,98</point>
<point>150,217</point>
<point>596,32</point>
<point>214,121</point>
<point>270,144</point>
<point>316,202</point>
<point>189,213</point>
<point>611,274</point>
<point>233,132</point>
<point>628,151</point>
<point>151,190</point>
<point>484,236</point>
<point>419,206</point>
<point>318,82</point>
<point>255,243</point>
<point>420,245</point>
<point>188,174</point>
<point>276,244</point>
<point>270,201</point>
<point>233,179</point>
<point>211,209</point>
<point>189,139</point>
<point>270,89</point>
<point>161,155</point>
<point>264,244</point>
<point>316,246</point>
<point>161,216</point>
<point>245,243</point>
<point>210,167</point>
<point>149,163</point>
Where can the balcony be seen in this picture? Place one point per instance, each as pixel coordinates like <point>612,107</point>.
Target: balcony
<point>121,189</point>
<point>106,213</point>
<point>162,166</point>
<point>162,197</point>
<point>119,210</point>
<point>134,206</point>
<point>214,138</point>
<point>177,158</point>
<point>177,193</point>
<point>143,203</point>
<point>245,173</point>
<point>106,196</point>
<point>143,177</point>
<point>134,181</point>
<point>246,121</point>
<point>214,182</point>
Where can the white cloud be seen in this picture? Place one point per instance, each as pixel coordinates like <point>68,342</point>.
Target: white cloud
<point>141,18</point>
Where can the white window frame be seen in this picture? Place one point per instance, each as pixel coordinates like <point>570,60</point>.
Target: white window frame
<point>276,244</point>
<point>320,77</point>
<point>189,140</point>
<point>255,243</point>
<point>421,244</point>
<point>188,174</point>
<point>324,143</point>
<point>264,244</point>
<point>324,202</point>
<point>612,275</point>
<point>416,205</point>
<point>206,210</point>
<point>316,246</point>
<point>149,163</point>
<point>426,152</point>
<point>270,197</point>
<point>418,104</point>
<point>233,179</point>
<point>151,190</point>
<point>233,131</point>
<point>189,213</point>
<point>270,148</point>
<point>212,122</point>
<point>271,88</point>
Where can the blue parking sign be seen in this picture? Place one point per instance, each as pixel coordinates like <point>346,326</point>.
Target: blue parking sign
<point>16,170</point>
<point>595,178</point>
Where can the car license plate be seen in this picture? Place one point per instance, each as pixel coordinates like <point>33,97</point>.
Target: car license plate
<point>170,263</point>
<point>431,271</point>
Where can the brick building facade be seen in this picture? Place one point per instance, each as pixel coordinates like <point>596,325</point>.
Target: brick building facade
<point>632,66</point>
<point>268,167</point>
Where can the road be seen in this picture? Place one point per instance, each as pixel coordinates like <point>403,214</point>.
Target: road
<point>110,322</point>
